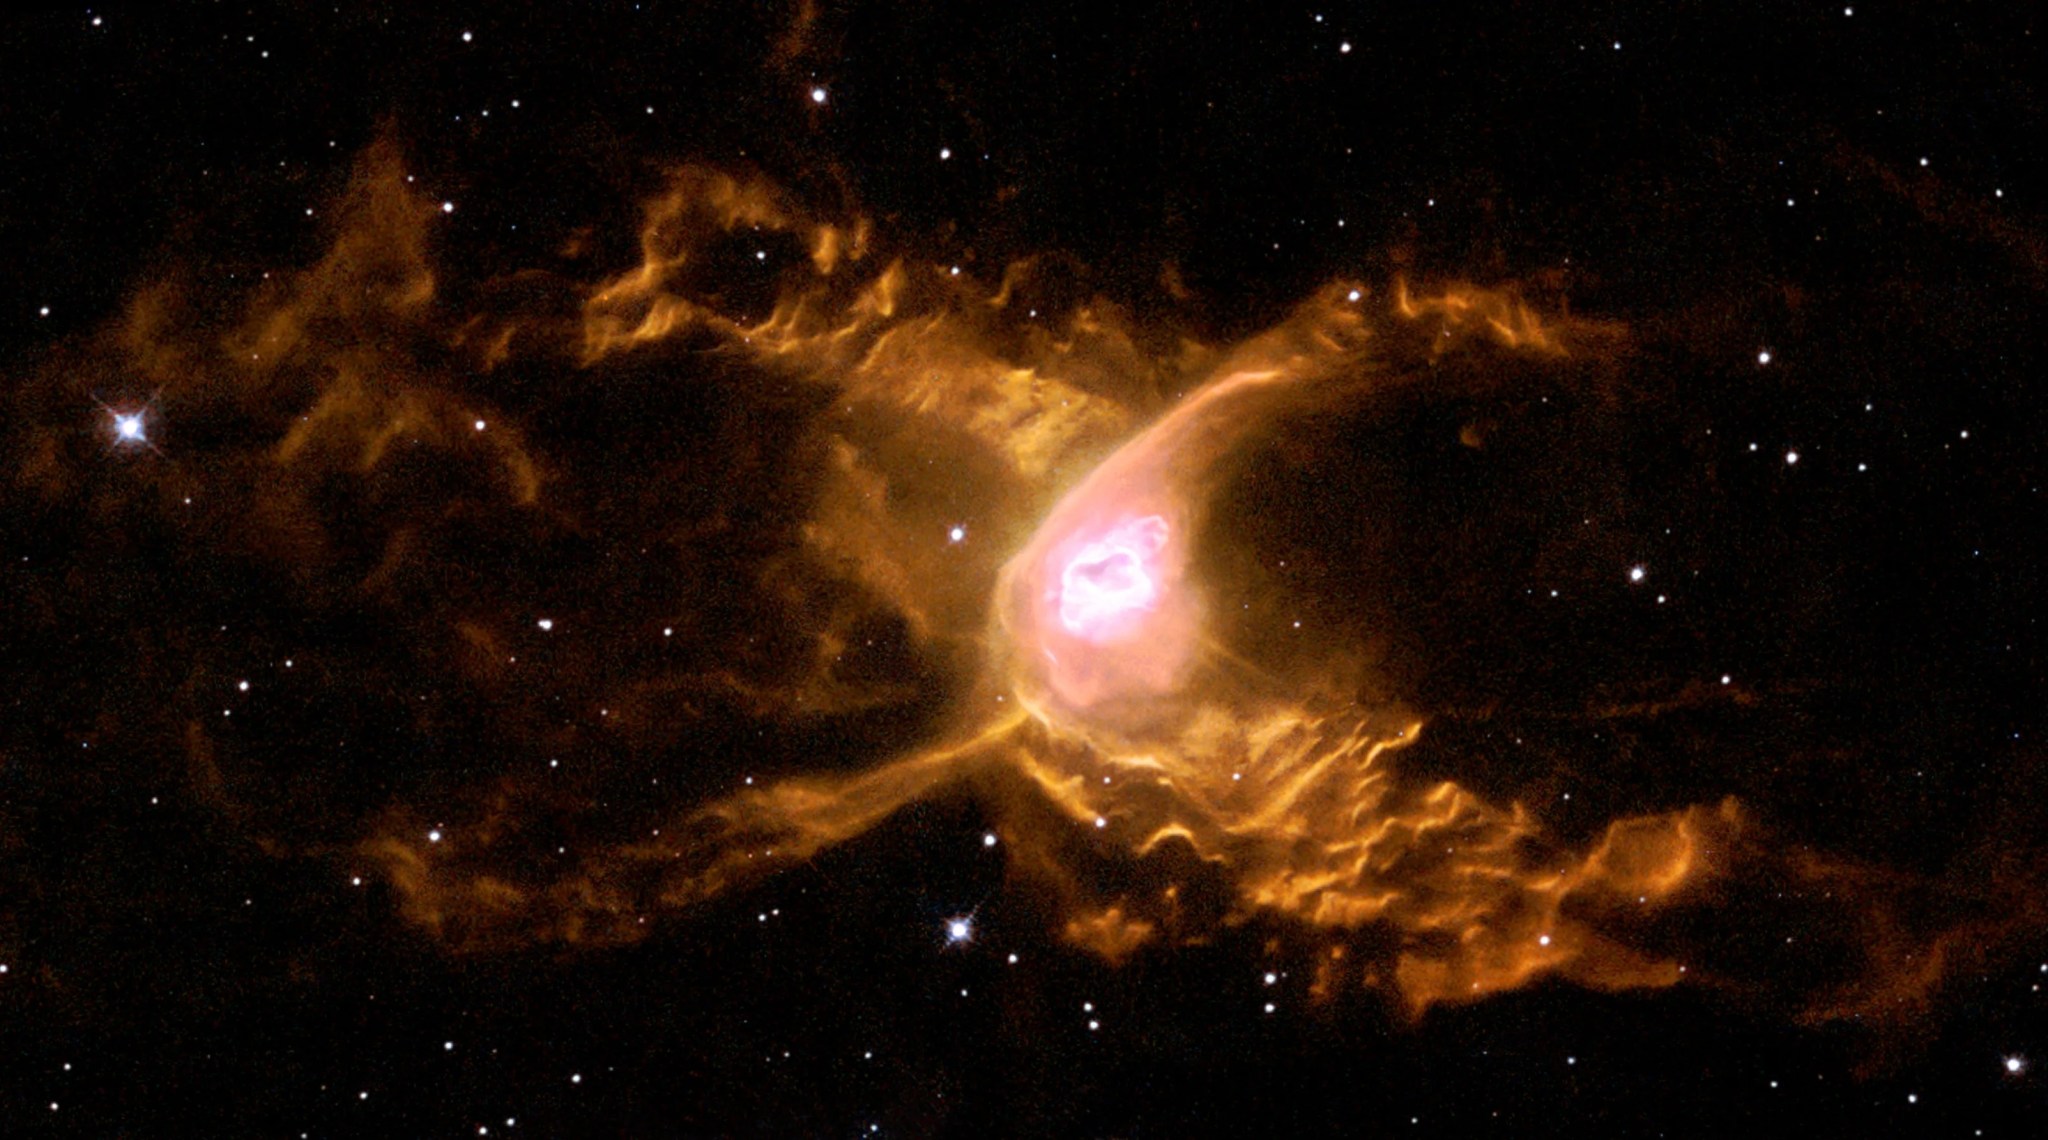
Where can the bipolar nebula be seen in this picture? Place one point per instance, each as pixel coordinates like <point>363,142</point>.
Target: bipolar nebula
<point>1068,534</point>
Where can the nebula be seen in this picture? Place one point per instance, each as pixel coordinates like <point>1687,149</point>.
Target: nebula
<point>1120,708</point>
<point>910,489</point>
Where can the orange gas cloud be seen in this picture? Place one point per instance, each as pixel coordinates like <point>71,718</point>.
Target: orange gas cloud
<point>1011,503</point>
<point>1120,711</point>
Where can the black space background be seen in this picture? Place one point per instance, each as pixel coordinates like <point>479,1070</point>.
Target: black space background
<point>170,976</point>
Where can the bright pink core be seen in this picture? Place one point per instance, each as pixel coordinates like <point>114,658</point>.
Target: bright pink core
<point>1113,579</point>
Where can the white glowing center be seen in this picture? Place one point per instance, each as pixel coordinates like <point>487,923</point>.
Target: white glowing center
<point>1112,578</point>
<point>129,427</point>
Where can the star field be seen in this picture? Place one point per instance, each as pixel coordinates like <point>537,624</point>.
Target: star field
<point>875,570</point>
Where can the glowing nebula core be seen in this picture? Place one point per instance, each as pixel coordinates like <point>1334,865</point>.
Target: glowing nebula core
<point>1098,606</point>
<point>1100,611</point>
<point>1108,587</point>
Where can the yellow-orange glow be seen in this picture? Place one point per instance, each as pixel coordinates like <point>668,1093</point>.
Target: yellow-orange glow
<point>1032,499</point>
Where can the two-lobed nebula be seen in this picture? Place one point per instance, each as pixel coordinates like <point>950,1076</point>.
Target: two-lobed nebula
<point>1149,731</point>
<point>1117,684</point>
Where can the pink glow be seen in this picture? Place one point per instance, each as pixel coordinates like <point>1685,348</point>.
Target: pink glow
<point>1100,610</point>
<point>1110,583</point>
<point>1100,603</point>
